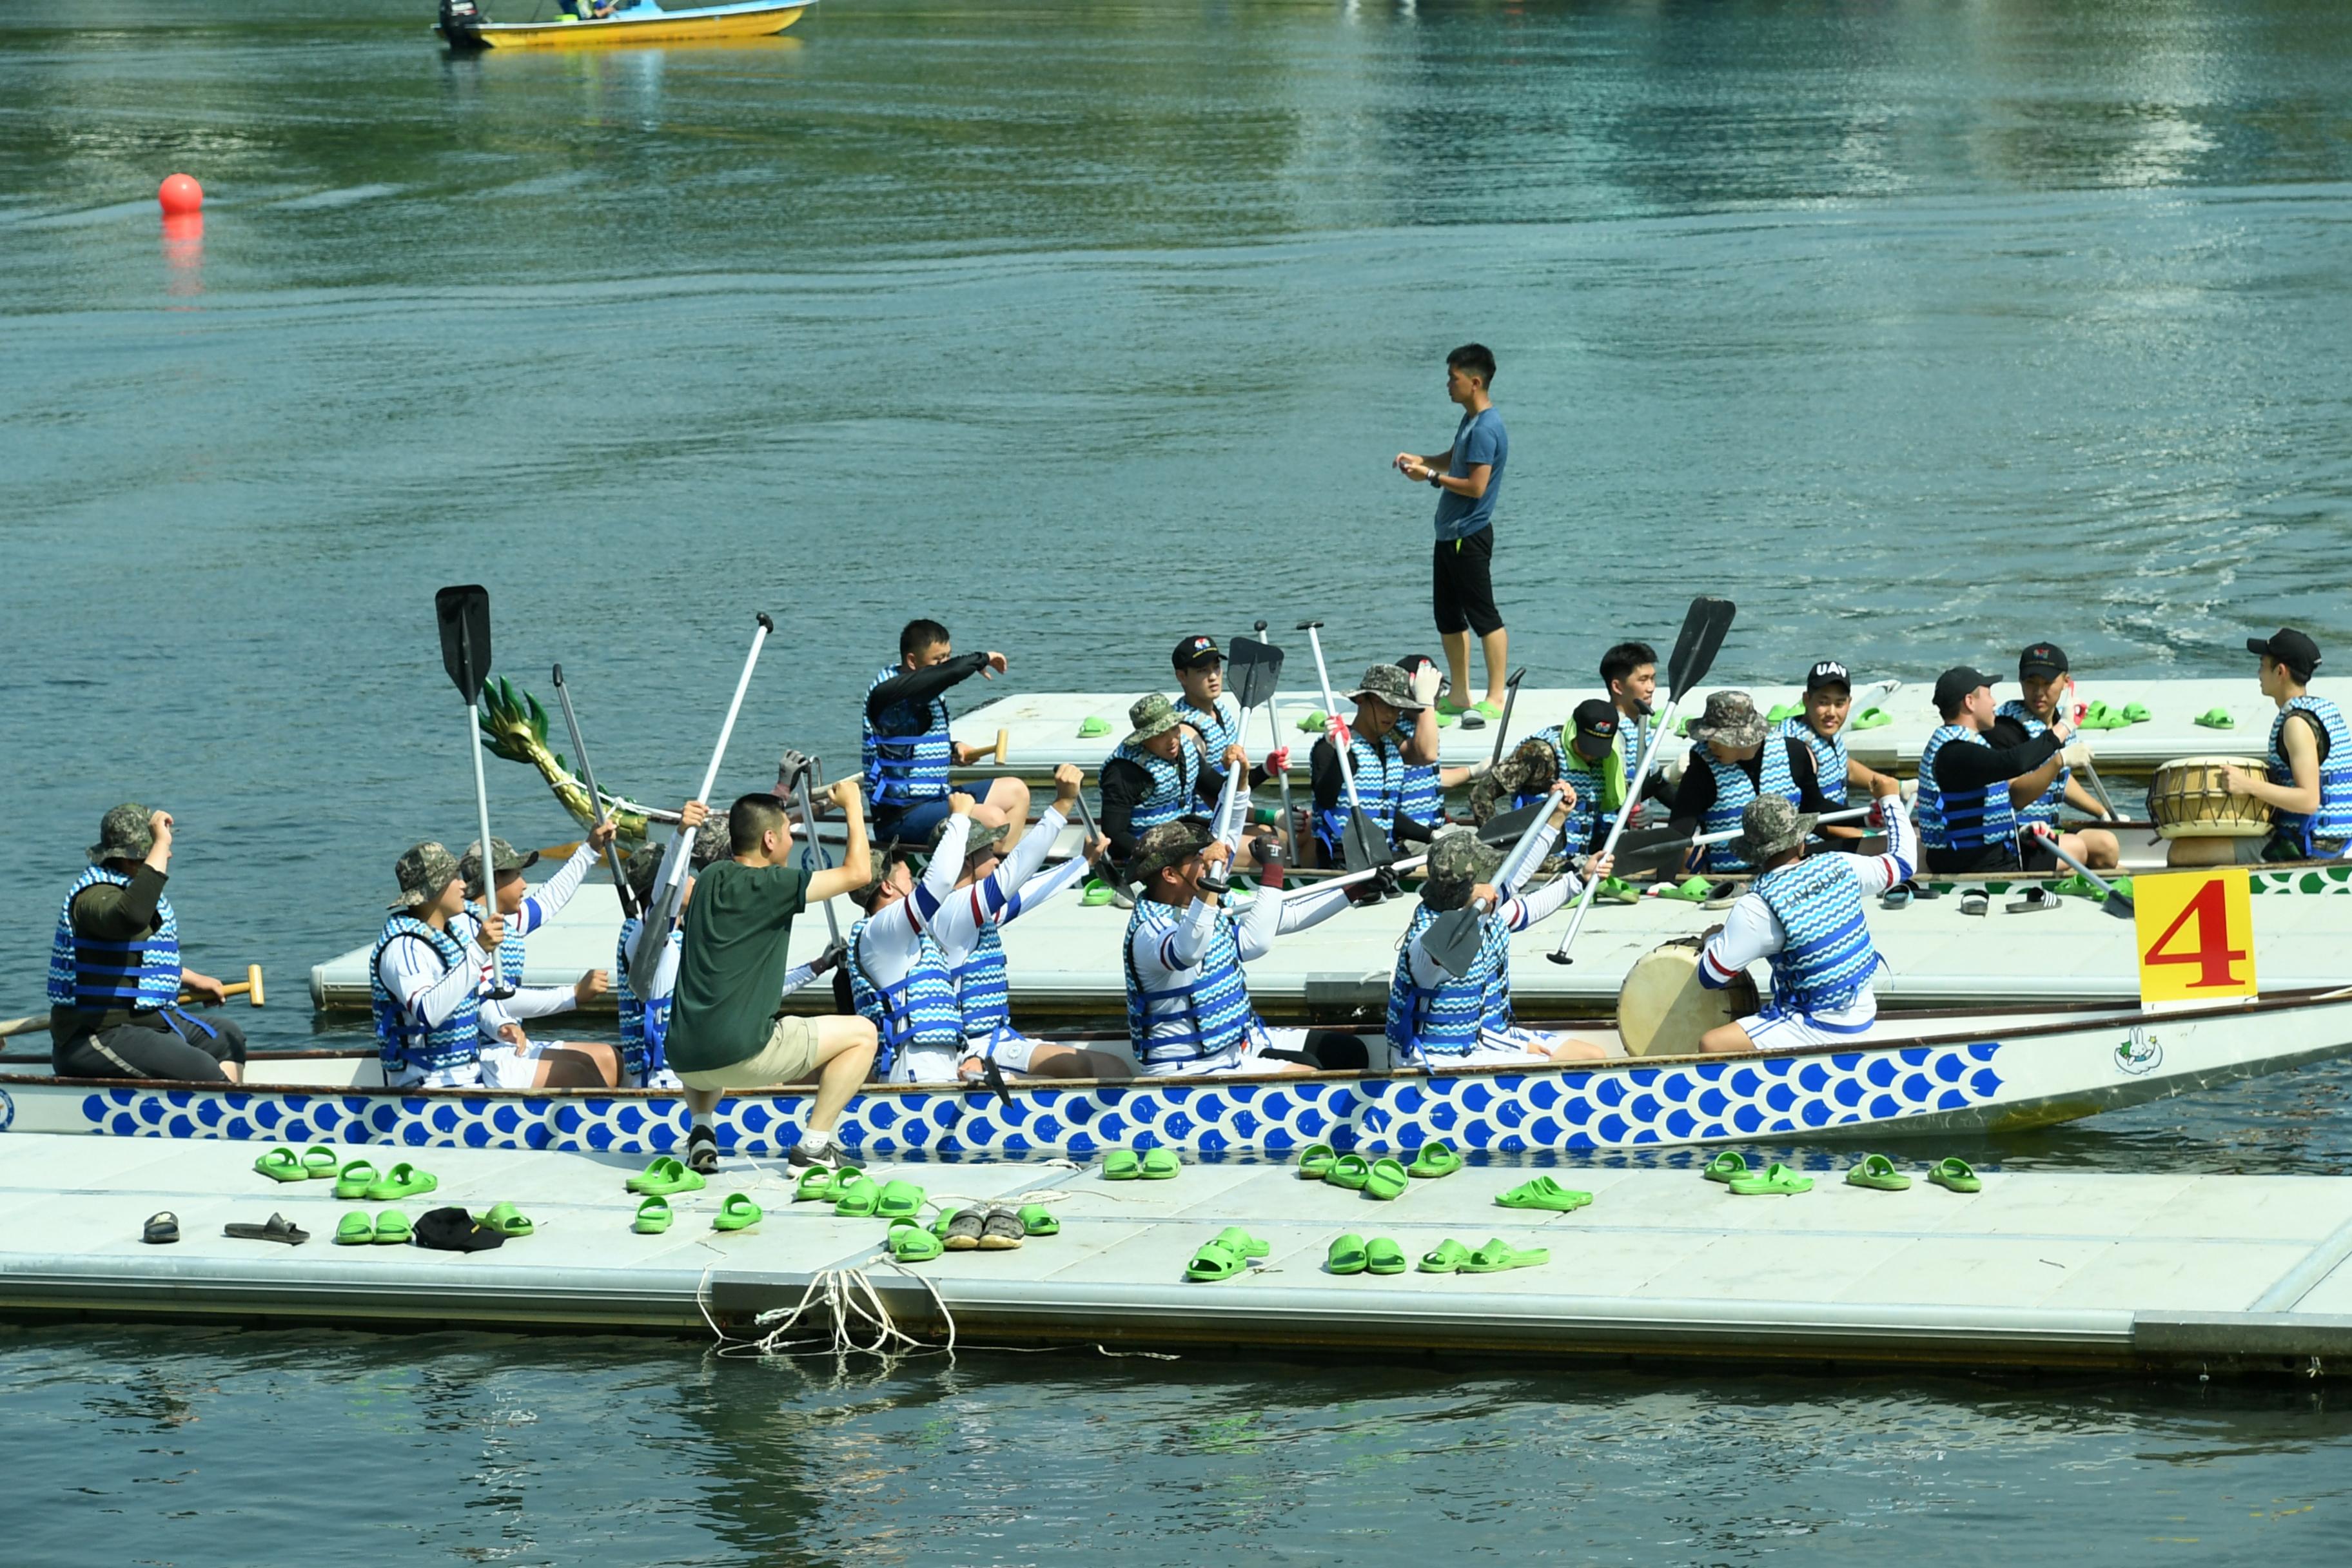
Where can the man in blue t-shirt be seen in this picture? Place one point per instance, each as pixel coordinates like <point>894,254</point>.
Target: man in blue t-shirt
<point>1469,478</point>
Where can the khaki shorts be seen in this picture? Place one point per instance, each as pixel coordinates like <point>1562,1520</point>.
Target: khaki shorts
<point>789,1056</point>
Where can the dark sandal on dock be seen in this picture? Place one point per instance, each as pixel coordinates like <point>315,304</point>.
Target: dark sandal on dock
<point>163,1229</point>
<point>278,1228</point>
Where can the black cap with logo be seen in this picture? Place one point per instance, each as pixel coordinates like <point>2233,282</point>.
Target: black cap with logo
<point>2044,658</point>
<point>1952,687</point>
<point>1826,674</point>
<point>1596,728</point>
<point>1198,653</point>
<point>2291,648</point>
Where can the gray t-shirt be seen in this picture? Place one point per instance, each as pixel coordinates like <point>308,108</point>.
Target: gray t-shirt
<point>1479,439</point>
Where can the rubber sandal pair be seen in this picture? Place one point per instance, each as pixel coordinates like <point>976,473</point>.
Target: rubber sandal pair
<point>1877,1172</point>
<point>1351,1254</point>
<point>389,1229</point>
<point>825,1183</point>
<point>358,1180</point>
<point>1140,1164</point>
<point>738,1213</point>
<point>1432,1160</point>
<point>1231,1251</point>
<point>1495,1257</point>
<point>1781,713</point>
<point>910,1242</point>
<point>1775,1181</point>
<point>2215,719</point>
<point>2073,885</point>
<point>282,1164</point>
<point>1543,1193</point>
<point>984,1230</point>
<point>1383,1179</point>
<point>1954,1175</point>
<point>1616,891</point>
<point>886,1200</point>
<point>666,1178</point>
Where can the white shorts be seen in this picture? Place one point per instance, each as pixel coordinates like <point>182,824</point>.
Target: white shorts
<point>494,1066</point>
<point>1787,1031</point>
<point>927,1064</point>
<point>1242,1057</point>
<point>1510,1045</point>
<point>1005,1046</point>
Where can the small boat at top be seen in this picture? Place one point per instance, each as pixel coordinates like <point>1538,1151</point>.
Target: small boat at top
<point>464,26</point>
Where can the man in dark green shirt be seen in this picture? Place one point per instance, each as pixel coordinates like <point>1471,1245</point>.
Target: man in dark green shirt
<point>726,1029</point>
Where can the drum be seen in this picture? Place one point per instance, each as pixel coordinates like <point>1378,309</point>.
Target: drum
<point>1662,1009</point>
<point>2189,800</point>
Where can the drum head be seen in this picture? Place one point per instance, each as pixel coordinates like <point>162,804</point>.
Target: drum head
<point>1662,1009</point>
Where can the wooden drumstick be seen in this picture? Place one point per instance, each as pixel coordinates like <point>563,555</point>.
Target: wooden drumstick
<point>249,987</point>
<point>995,753</point>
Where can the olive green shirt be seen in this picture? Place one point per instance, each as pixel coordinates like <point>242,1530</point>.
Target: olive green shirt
<point>730,977</point>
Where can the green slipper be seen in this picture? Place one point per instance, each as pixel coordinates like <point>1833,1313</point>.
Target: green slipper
<point>1543,1193</point>
<point>1160,1165</point>
<point>943,1221</point>
<point>858,1199</point>
<point>1385,1181</point>
<point>1446,1257</point>
<point>403,1181</point>
<point>739,1212</point>
<point>1497,1256</point>
<point>2216,719</point>
<point>1315,1161</point>
<point>1350,1171</point>
<point>653,1217</point>
<point>1486,709</point>
<point>1616,891</point>
<point>1346,1256</point>
<point>1314,723</point>
<point>355,1229</point>
<point>1213,1263</point>
<point>1957,1175</point>
<point>282,1164</point>
<point>321,1162</point>
<point>1241,1243</point>
<point>1091,726</point>
<point>1383,1256</point>
<point>1097,894</point>
<point>899,1200</point>
<point>1690,890</point>
<point>507,1220</point>
<point>1780,712</point>
<point>357,1178</point>
<point>1444,718</point>
<point>1122,1165</point>
<point>1872,717</point>
<point>392,1229</point>
<point>815,1186</point>
<point>1877,1172</point>
<point>910,1243</point>
<point>1727,1166</point>
<point>1449,709</point>
<point>1778,1179</point>
<point>1037,1219</point>
<point>667,1177</point>
<point>1434,1159</point>
<point>2135,714</point>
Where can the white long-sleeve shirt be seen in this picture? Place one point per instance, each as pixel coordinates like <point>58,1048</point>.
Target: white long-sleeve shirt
<point>1019,886</point>
<point>1168,959</point>
<point>539,906</point>
<point>950,916</point>
<point>1752,932</point>
<point>1517,912</point>
<point>428,992</point>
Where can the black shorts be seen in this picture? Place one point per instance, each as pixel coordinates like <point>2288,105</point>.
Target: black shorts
<point>1992,859</point>
<point>1462,585</point>
<point>169,1044</point>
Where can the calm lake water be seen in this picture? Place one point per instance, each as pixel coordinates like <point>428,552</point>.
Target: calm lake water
<point>1922,330</point>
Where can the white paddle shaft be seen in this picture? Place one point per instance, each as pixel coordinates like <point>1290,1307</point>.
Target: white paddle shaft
<point>1331,713</point>
<point>482,807</point>
<point>1665,726</point>
<point>726,733</point>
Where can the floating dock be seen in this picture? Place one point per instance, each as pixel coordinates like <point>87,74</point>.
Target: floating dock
<point>2213,1274</point>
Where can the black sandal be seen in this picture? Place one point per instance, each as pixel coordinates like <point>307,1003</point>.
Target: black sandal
<point>1001,1231</point>
<point>280,1228</point>
<point>161,1228</point>
<point>964,1231</point>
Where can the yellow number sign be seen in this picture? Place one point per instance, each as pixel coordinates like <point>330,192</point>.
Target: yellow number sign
<point>2196,932</point>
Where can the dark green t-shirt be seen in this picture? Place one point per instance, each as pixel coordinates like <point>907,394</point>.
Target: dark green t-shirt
<point>731,978</point>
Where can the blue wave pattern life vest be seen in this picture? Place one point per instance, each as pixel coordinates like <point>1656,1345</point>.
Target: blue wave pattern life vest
<point>1577,831</point>
<point>1217,1017</point>
<point>100,977</point>
<point>2334,818</point>
<point>1444,1019</point>
<point>919,1010</point>
<point>1829,757</point>
<point>1175,784</point>
<point>1828,958</point>
<point>645,1025</point>
<point>907,755</point>
<point>1733,792</point>
<point>981,989</point>
<point>1380,771</point>
<point>1418,794</point>
<point>508,957</point>
<point>410,1050</point>
<point>2045,809</point>
<point>1963,820</point>
<point>1219,726</point>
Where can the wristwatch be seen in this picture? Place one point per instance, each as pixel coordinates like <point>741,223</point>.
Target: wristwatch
<point>1435,483</point>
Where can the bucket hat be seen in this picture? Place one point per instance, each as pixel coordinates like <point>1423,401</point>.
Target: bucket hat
<point>123,834</point>
<point>1152,715</point>
<point>1730,718</point>
<point>421,873</point>
<point>1390,685</point>
<point>1768,826</point>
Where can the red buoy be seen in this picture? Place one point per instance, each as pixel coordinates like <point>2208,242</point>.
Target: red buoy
<point>181,195</point>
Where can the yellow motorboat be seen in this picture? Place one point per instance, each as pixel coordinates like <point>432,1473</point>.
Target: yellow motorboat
<point>464,26</point>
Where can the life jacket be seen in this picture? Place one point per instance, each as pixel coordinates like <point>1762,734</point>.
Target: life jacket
<point>1829,757</point>
<point>918,1009</point>
<point>1592,790</point>
<point>982,992</point>
<point>1828,958</point>
<point>1444,1019</point>
<point>1963,821</point>
<point>2043,809</point>
<point>2332,820</point>
<point>1220,724</point>
<point>1216,1015</point>
<point>1419,798</point>
<point>412,1051</point>
<point>1380,771</point>
<point>909,752</point>
<point>97,976</point>
<point>645,1023</point>
<point>1734,790</point>
<point>1175,783</point>
<point>508,957</point>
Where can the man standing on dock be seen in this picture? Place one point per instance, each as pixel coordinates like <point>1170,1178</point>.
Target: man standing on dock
<point>1469,478</point>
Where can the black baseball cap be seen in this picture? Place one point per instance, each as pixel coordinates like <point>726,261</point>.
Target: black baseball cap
<point>2043,658</point>
<point>1954,685</point>
<point>2291,648</point>
<point>1596,728</point>
<point>1829,672</point>
<point>1198,653</point>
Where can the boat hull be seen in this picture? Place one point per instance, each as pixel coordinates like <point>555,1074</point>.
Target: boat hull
<point>629,29</point>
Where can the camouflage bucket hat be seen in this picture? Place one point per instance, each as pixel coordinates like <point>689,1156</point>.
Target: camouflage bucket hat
<point>711,844</point>
<point>1730,718</point>
<point>1152,715</point>
<point>983,835</point>
<point>421,873</point>
<point>1392,686</point>
<point>1170,844</point>
<point>123,834</point>
<point>643,866</point>
<point>503,856</point>
<point>1458,861</point>
<point>1768,826</point>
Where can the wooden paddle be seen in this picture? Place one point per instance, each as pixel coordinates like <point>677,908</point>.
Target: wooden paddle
<point>588,778</point>
<point>1363,845</point>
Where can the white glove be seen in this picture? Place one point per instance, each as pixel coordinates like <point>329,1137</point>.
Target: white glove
<point>1425,681</point>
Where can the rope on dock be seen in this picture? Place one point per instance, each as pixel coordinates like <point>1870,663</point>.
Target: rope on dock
<point>846,1296</point>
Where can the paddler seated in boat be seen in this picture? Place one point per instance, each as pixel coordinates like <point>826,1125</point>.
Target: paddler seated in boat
<point>1805,912</point>
<point>1966,809</point>
<point>1378,754</point>
<point>1162,769</point>
<point>115,975</point>
<point>1188,1006</point>
<point>908,749</point>
<point>1629,673</point>
<point>2308,787</point>
<point>1583,754</point>
<point>506,1000</point>
<point>2042,675</point>
<point>1440,1020</point>
<point>1000,888</point>
<point>1820,724</point>
<point>1738,759</point>
<point>424,982</point>
<point>1421,793</point>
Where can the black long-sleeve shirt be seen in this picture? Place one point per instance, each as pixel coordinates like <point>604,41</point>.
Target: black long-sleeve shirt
<point>108,913</point>
<point>919,686</point>
<point>1963,766</point>
<point>1126,785</point>
<point>1330,789</point>
<point>1695,793</point>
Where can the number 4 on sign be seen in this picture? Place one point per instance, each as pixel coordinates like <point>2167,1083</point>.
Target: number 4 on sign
<point>2196,934</point>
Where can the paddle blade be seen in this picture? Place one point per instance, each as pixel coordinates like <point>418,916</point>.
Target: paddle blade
<point>1452,940</point>
<point>1253,671</point>
<point>1704,626</point>
<point>464,614</point>
<point>1364,846</point>
<point>1640,859</point>
<point>2118,904</point>
<point>1504,828</point>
